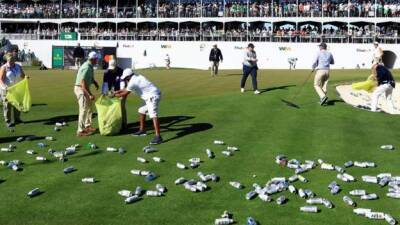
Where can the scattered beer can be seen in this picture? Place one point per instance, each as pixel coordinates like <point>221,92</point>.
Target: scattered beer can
<point>281,200</point>
<point>157,159</point>
<point>387,147</point>
<point>153,193</point>
<point>88,180</point>
<point>125,193</point>
<point>161,188</point>
<point>349,201</point>
<point>390,220</point>
<point>393,195</point>
<point>138,191</point>
<point>358,192</point>
<point>250,195</point>
<point>41,158</point>
<point>232,148</point>
<point>181,166</point>
<point>370,179</point>
<point>369,197</point>
<point>30,152</point>
<point>265,197</point>
<point>111,149</point>
<point>149,149</point>
<point>69,170</point>
<point>142,160</point>
<point>293,178</point>
<point>219,142</point>
<point>236,184</point>
<point>375,215</point>
<point>151,176</point>
<point>227,153</point>
<point>6,150</point>
<point>136,172</point>
<point>327,166</point>
<point>302,179</point>
<point>223,221</point>
<point>20,139</point>
<point>292,189</point>
<point>361,211</point>
<point>210,154</point>
<point>348,164</point>
<point>34,192</point>
<point>309,209</point>
<point>50,138</point>
<point>132,199</point>
<point>180,180</point>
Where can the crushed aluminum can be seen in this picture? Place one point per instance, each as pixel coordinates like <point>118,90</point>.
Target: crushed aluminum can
<point>34,192</point>
<point>132,199</point>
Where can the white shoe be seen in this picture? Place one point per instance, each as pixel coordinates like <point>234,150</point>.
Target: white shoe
<point>257,92</point>
<point>242,90</point>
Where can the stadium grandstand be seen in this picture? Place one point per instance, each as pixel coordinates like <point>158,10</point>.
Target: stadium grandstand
<point>262,21</point>
<point>272,21</point>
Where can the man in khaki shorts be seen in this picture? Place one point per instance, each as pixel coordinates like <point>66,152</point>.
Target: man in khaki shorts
<point>84,79</point>
<point>322,64</point>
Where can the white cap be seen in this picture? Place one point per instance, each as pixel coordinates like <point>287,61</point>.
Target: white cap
<point>93,55</point>
<point>112,64</point>
<point>376,43</point>
<point>127,73</point>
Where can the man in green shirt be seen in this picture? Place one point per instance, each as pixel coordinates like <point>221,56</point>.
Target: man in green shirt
<point>84,79</point>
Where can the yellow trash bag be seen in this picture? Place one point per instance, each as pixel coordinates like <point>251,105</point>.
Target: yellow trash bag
<point>109,115</point>
<point>368,85</point>
<point>19,96</point>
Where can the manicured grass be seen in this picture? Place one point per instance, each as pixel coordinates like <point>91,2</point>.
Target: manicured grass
<point>195,110</point>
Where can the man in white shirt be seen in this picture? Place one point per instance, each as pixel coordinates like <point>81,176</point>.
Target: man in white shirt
<point>150,95</point>
<point>378,53</point>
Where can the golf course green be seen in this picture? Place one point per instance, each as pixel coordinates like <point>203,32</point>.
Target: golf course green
<point>195,110</point>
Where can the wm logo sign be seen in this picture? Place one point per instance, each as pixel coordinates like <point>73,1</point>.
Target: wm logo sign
<point>286,49</point>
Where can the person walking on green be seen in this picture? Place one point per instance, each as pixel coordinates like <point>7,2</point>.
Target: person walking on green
<point>84,79</point>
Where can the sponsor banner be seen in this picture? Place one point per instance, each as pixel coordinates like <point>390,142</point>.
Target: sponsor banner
<point>70,36</point>
<point>58,57</point>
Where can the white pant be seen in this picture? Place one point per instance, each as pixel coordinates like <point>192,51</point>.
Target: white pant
<point>384,88</point>
<point>150,107</point>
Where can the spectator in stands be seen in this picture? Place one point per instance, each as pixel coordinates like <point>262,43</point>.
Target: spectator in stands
<point>79,55</point>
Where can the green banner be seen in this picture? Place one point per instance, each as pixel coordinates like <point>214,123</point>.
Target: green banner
<point>58,57</point>
<point>72,36</point>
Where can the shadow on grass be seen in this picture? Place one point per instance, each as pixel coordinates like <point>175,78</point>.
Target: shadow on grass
<point>14,138</point>
<point>53,120</point>
<point>39,104</point>
<point>233,74</point>
<point>333,102</point>
<point>173,124</point>
<point>285,87</point>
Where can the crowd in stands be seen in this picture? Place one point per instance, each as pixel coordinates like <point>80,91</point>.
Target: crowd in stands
<point>209,8</point>
<point>304,33</point>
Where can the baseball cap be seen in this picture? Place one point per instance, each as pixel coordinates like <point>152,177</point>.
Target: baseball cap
<point>323,45</point>
<point>112,64</point>
<point>127,73</point>
<point>93,55</point>
<point>376,43</point>
<point>251,45</point>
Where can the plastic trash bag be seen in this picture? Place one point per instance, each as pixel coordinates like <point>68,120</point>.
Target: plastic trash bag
<point>368,85</point>
<point>19,96</point>
<point>109,115</point>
